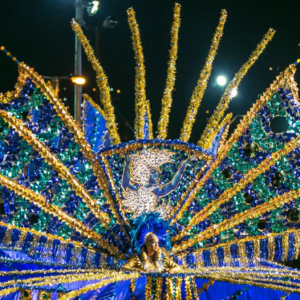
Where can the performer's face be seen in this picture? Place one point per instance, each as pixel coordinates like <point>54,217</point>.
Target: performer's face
<point>152,245</point>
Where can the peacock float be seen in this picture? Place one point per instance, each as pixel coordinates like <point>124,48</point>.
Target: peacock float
<point>84,215</point>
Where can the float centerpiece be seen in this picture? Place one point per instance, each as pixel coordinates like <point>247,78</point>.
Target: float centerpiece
<point>85,215</point>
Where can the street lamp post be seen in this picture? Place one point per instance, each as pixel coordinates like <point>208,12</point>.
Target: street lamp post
<point>78,64</point>
<point>92,8</point>
<point>77,80</point>
<point>55,82</point>
<point>108,23</point>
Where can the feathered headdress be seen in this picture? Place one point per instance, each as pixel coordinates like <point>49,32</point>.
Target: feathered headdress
<point>151,222</point>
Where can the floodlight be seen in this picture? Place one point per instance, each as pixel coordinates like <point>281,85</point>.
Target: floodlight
<point>92,7</point>
<point>233,93</point>
<point>221,80</point>
<point>79,80</point>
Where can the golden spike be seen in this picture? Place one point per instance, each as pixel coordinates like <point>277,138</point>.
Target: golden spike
<point>26,72</point>
<point>140,76</point>
<point>149,117</point>
<point>234,84</point>
<point>51,159</point>
<point>200,88</point>
<point>171,76</point>
<point>95,105</point>
<point>239,218</point>
<point>225,121</point>
<point>102,83</point>
<point>286,77</point>
<point>248,178</point>
<point>41,202</point>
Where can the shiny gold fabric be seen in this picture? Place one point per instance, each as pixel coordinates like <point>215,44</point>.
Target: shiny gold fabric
<point>161,263</point>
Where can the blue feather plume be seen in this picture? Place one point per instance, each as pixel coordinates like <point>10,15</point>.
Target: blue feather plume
<point>151,222</point>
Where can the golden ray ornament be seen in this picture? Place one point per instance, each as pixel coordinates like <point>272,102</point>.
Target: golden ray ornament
<point>200,88</point>
<point>101,81</point>
<point>167,99</point>
<point>95,105</point>
<point>140,77</point>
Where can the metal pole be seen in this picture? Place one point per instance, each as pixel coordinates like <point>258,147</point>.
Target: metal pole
<point>97,52</point>
<point>78,65</point>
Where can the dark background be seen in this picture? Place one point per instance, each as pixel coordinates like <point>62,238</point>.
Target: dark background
<point>38,32</point>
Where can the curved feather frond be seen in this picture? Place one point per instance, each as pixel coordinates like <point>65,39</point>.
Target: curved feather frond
<point>285,78</point>
<point>140,77</point>
<point>200,88</point>
<point>225,100</point>
<point>171,76</point>
<point>78,136</point>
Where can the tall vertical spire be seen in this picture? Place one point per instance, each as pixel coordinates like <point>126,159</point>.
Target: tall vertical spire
<point>171,76</point>
<point>102,83</point>
<point>140,77</point>
<point>200,88</point>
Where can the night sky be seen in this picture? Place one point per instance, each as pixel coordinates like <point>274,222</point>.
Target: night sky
<point>38,32</point>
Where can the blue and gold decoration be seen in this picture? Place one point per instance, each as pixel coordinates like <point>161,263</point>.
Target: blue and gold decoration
<point>84,215</point>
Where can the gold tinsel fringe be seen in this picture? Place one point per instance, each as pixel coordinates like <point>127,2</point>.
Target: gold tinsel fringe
<point>115,278</point>
<point>95,105</point>
<point>102,82</point>
<point>140,74</point>
<point>200,88</point>
<point>171,76</point>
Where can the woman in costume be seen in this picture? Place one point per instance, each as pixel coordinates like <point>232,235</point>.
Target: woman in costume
<point>152,259</point>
